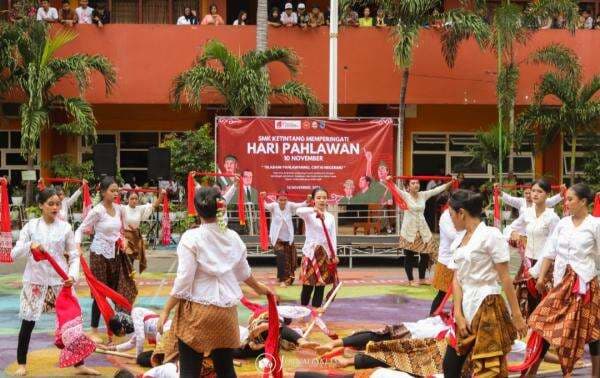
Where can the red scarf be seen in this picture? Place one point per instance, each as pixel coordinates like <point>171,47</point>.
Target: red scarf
<point>497,219</point>
<point>191,190</point>
<point>262,223</point>
<point>331,267</point>
<point>100,292</point>
<point>69,336</point>
<point>396,195</point>
<point>596,210</point>
<point>5,231</point>
<point>272,342</point>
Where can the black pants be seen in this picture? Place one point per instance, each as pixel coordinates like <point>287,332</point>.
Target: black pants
<point>95,314</point>
<point>436,301</point>
<point>24,339</point>
<point>453,363</point>
<point>594,348</point>
<point>317,299</point>
<point>190,362</point>
<point>410,258</point>
<point>359,340</point>
<point>285,332</point>
<point>363,361</point>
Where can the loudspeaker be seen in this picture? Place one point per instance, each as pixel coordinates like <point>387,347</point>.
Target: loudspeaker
<point>105,159</point>
<point>159,164</point>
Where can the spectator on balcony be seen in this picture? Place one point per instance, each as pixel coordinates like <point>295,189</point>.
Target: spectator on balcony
<point>380,20</point>
<point>289,17</point>
<point>597,25</point>
<point>316,17</point>
<point>350,18</point>
<point>213,17</point>
<point>84,12</point>
<point>47,13</point>
<point>19,10</point>
<point>559,22</point>
<point>101,15</point>
<point>242,17</point>
<point>366,20</point>
<point>327,15</point>
<point>303,17</point>
<point>587,22</point>
<point>188,18</point>
<point>67,15</point>
<point>275,17</point>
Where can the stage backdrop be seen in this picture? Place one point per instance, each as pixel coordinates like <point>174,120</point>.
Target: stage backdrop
<point>348,158</point>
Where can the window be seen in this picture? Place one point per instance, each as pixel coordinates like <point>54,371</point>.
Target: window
<point>11,161</point>
<point>583,146</point>
<point>437,153</point>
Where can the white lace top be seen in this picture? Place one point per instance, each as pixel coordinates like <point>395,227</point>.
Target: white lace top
<point>66,204</point>
<point>537,229</point>
<point>107,230</point>
<point>314,232</point>
<point>211,264</point>
<point>414,218</point>
<point>133,216</point>
<point>447,235</point>
<point>57,239</point>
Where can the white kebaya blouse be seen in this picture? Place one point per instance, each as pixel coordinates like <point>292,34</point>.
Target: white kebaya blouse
<point>107,230</point>
<point>315,236</point>
<point>537,229</point>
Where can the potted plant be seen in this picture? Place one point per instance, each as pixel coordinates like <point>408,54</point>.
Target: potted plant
<point>33,212</point>
<point>17,196</point>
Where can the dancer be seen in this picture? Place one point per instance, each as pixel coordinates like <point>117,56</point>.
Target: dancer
<point>442,275</point>
<point>65,205</point>
<point>140,325</point>
<point>569,316</point>
<point>415,236</point>
<point>281,235</point>
<point>318,257</point>
<point>522,203</point>
<point>41,283</point>
<point>484,329</point>
<point>108,261</point>
<point>212,260</point>
<point>133,215</point>
<point>536,224</point>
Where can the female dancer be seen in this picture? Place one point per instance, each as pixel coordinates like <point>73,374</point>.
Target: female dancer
<point>66,204</point>
<point>108,261</point>
<point>483,324</point>
<point>415,235</point>
<point>281,235</point>
<point>569,316</point>
<point>442,276</point>
<point>206,291</point>
<point>133,215</point>
<point>536,223</point>
<point>317,256</point>
<point>41,283</point>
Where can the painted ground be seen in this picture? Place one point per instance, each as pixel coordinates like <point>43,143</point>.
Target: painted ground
<point>370,298</point>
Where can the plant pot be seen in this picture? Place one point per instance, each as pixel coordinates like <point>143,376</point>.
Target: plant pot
<point>17,201</point>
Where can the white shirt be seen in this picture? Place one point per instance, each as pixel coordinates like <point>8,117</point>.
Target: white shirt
<point>133,216</point>
<point>42,15</point>
<point>537,229</point>
<point>66,204</point>
<point>183,21</point>
<point>575,246</point>
<point>142,330</point>
<point>84,15</point>
<point>447,235</point>
<point>315,236</point>
<point>211,263</point>
<point>474,266</point>
<point>426,328</point>
<point>282,227</point>
<point>414,218</point>
<point>521,204</point>
<point>431,184</point>
<point>57,239</point>
<point>291,19</point>
<point>107,230</point>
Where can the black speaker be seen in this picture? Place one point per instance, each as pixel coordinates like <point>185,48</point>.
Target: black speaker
<point>159,164</point>
<point>105,159</point>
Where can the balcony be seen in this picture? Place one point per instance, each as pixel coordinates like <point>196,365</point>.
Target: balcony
<point>147,57</point>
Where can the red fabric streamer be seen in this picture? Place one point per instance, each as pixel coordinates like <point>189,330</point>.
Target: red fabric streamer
<point>272,342</point>
<point>423,178</point>
<point>497,219</point>
<point>596,210</point>
<point>69,336</point>
<point>166,221</point>
<point>87,199</point>
<point>396,195</point>
<point>331,267</point>
<point>532,354</point>
<point>256,308</point>
<point>241,205</point>
<point>262,223</point>
<point>191,191</point>
<point>5,231</point>
<point>100,292</point>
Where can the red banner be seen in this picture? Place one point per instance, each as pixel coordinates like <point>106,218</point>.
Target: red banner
<point>351,159</point>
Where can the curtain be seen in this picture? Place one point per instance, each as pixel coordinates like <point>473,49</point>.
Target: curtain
<point>180,5</point>
<point>124,12</point>
<point>155,11</point>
